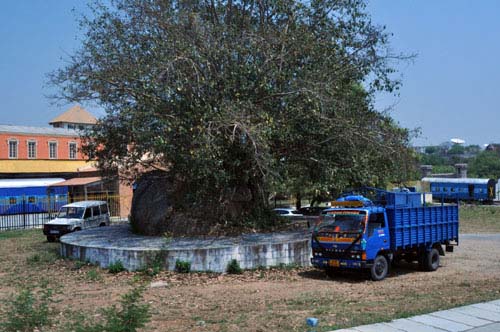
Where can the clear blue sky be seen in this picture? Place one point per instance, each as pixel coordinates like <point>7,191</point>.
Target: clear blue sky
<point>451,90</point>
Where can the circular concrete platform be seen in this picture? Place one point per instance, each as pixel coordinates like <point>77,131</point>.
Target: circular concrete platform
<point>107,245</point>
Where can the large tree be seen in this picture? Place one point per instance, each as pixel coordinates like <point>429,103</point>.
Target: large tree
<point>238,98</point>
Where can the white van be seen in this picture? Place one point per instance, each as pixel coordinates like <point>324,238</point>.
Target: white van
<point>75,217</point>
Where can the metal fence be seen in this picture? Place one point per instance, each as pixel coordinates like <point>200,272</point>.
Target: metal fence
<point>23,212</point>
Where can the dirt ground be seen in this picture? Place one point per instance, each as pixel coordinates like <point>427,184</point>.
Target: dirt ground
<point>261,300</point>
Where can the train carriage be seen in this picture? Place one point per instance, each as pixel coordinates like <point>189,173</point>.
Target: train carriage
<point>21,196</point>
<point>465,189</point>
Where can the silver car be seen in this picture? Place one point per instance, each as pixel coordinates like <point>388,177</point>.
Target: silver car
<point>287,212</point>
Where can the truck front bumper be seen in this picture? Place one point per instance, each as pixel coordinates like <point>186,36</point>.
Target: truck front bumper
<point>324,263</point>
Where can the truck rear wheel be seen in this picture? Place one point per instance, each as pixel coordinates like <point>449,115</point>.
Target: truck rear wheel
<point>431,260</point>
<point>51,238</point>
<point>380,268</point>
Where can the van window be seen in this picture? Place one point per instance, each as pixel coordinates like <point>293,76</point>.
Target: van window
<point>104,209</point>
<point>95,211</point>
<point>87,214</point>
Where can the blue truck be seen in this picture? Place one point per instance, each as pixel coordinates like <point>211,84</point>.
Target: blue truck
<point>369,234</point>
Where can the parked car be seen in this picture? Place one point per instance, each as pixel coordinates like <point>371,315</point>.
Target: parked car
<point>312,210</point>
<point>75,217</point>
<point>287,212</point>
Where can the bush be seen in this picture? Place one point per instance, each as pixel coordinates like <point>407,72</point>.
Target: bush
<point>131,316</point>
<point>93,275</point>
<point>28,311</point>
<point>233,267</point>
<point>154,265</point>
<point>182,266</point>
<point>116,267</point>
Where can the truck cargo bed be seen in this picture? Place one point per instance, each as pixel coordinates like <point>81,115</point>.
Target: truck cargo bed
<point>412,227</point>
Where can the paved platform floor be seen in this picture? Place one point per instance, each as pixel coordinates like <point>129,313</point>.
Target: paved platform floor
<point>481,317</point>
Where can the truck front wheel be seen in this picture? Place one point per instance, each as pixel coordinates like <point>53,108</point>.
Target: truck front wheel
<point>431,260</point>
<point>379,269</point>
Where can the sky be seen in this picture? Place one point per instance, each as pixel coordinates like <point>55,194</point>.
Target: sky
<point>451,89</point>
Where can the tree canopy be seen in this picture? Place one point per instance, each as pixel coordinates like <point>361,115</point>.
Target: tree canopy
<point>239,98</point>
<point>485,165</point>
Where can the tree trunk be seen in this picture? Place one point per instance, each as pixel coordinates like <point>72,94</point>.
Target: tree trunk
<point>298,201</point>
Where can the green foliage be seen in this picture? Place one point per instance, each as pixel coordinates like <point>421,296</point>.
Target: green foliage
<point>28,311</point>
<point>43,257</point>
<point>440,169</point>
<point>485,165</point>
<point>93,275</point>
<point>182,266</point>
<point>431,149</point>
<point>116,267</point>
<point>129,317</point>
<point>456,149</point>
<point>238,99</point>
<point>154,265</point>
<point>233,267</point>
<point>11,234</point>
<point>433,159</point>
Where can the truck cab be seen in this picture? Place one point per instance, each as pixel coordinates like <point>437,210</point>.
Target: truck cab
<point>351,234</point>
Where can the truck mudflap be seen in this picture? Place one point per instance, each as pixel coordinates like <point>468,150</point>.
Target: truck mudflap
<point>324,263</point>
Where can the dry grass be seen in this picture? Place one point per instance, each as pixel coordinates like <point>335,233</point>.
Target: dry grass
<point>262,300</point>
<point>479,219</point>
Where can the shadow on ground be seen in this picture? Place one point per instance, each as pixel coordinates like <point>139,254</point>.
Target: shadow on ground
<point>356,276</point>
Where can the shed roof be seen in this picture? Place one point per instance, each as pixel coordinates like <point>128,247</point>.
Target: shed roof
<point>79,181</point>
<point>38,130</point>
<point>75,114</point>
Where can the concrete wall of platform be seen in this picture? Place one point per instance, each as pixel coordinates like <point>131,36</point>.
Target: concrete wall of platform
<point>263,250</point>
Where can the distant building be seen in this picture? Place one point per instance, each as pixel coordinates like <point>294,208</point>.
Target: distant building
<point>493,147</point>
<point>74,118</point>
<point>39,150</point>
<point>28,153</point>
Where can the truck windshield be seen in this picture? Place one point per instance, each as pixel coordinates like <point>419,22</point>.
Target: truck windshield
<point>71,212</point>
<point>342,222</point>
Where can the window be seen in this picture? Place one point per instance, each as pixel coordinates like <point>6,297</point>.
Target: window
<point>13,148</point>
<point>12,200</point>
<point>88,213</point>
<point>104,209</point>
<point>53,150</point>
<point>71,126</point>
<point>31,149</point>
<point>31,199</point>
<point>376,221</point>
<point>95,211</point>
<point>72,150</point>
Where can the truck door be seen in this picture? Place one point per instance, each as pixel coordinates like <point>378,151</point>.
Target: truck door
<point>377,234</point>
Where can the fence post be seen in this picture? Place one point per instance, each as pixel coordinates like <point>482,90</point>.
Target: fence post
<point>24,211</point>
